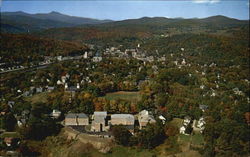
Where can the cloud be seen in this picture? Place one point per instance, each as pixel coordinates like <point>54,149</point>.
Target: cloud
<point>206,1</point>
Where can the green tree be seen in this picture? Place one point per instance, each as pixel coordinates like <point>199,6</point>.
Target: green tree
<point>121,135</point>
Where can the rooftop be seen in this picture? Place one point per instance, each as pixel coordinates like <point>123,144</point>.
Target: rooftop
<point>74,115</point>
<point>100,113</point>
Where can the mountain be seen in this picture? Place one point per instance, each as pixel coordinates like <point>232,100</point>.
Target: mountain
<point>56,16</point>
<point>133,30</point>
<point>17,22</point>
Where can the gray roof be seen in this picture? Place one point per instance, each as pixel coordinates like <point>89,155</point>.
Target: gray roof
<point>100,113</point>
<point>72,89</point>
<point>203,107</point>
<point>128,117</point>
<point>82,115</point>
<point>70,115</point>
<point>79,115</point>
<point>99,119</point>
<point>51,88</point>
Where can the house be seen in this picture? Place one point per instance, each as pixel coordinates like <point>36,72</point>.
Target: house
<point>26,93</point>
<point>71,90</point>
<point>39,90</point>
<point>63,78</point>
<point>76,119</point>
<point>127,120</point>
<point>50,88</point>
<point>186,120</point>
<point>99,121</point>
<point>163,119</point>
<point>144,118</point>
<point>97,59</point>
<point>55,114</point>
<point>182,130</point>
<point>59,82</point>
<point>201,124</point>
<point>85,56</point>
<point>11,104</point>
<point>203,107</point>
<point>21,122</point>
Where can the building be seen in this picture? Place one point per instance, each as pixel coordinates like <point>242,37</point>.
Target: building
<point>186,122</point>
<point>55,114</point>
<point>97,59</point>
<point>203,107</point>
<point>76,119</point>
<point>127,120</point>
<point>82,119</point>
<point>50,88</point>
<point>182,130</point>
<point>99,122</point>
<point>163,119</point>
<point>144,118</point>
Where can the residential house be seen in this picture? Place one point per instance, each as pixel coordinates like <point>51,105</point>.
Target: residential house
<point>163,119</point>
<point>203,107</point>
<point>11,104</point>
<point>199,125</point>
<point>50,88</point>
<point>186,122</point>
<point>97,59</point>
<point>39,90</point>
<point>144,117</point>
<point>182,130</point>
<point>55,114</point>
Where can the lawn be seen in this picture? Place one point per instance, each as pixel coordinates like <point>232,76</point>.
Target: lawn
<point>120,151</point>
<point>184,138</point>
<point>177,122</point>
<point>197,139</point>
<point>38,98</point>
<point>10,134</point>
<point>129,96</point>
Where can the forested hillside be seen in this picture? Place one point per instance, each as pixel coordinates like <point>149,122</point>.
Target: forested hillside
<point>26,48</point>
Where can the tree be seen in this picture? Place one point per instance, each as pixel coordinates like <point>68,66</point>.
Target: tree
<point>9,122</point>
<point>152,136</point>
<point>121,135</point>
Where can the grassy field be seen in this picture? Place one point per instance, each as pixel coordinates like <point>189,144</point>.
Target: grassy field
<point>177,122</point>
<point>38,98</point>
<point>10,134</point>
<point>120,151</point>
<point>129,96</point>
<point>197,139</point>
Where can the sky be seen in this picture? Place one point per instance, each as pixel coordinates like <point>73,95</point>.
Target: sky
<point>120,10</point>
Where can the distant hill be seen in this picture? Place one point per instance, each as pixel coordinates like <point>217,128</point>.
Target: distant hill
<point>132,30</point>
<point>19,22</point>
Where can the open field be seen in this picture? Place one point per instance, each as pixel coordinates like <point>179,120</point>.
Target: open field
<point>129,96</point>
<point>129,152</point>
<point>38,98</point>
<point>177,122</point>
